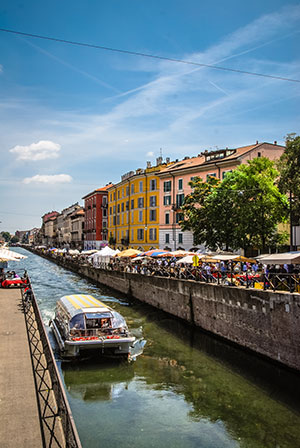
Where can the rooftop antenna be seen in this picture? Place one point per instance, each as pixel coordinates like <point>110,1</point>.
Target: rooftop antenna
<point>160,152</point>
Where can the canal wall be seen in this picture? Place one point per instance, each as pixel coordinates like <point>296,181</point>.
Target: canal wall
<point>265,322</point>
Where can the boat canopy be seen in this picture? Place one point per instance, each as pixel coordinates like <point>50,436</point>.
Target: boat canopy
<point>81,307</point>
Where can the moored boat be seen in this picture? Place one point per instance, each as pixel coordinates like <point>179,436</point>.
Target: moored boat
<point>85,326</point>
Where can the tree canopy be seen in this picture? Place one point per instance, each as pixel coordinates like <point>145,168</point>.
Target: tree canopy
<point>289,169</point>
<point>241,211</point>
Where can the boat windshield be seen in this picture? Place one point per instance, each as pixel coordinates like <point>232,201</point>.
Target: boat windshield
<point>77,322</point>
<point>118,321</point>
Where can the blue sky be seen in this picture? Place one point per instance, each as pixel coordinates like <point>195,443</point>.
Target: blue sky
<point>73,118</point>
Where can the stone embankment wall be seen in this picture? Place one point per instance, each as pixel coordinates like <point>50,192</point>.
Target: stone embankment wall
<point>266,322</point>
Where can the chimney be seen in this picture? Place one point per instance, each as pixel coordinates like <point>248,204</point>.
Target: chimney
<point>167,159</point>
<point>159,160</point>
<point>256,142</point>
<point>148,164</point>
<point>275,142</point>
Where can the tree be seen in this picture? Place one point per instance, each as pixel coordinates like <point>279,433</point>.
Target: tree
<point>196,212</point>
<point>259,206</point>
<point>14,240</point>
<point>289,169</point>
<point>6,236</point>
<point>241,211</point>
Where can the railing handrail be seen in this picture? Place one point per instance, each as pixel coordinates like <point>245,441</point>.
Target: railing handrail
<point>63,408</point>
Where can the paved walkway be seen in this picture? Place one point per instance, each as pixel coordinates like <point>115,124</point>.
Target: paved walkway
<point>19,418</point>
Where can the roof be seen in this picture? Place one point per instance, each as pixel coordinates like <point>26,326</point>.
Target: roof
<point>77,303</point>
<point>100,190</point>
<point>201,159</point>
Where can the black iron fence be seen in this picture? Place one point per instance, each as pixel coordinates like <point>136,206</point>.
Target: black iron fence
<point>57,424</point>
<point>273,281</point>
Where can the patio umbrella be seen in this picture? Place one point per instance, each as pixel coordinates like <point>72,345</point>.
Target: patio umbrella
<point>156,253</point>
<point>128,253</point>
<point>181,253</point>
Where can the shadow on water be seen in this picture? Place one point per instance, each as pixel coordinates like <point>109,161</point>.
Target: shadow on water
<point>278,382</point>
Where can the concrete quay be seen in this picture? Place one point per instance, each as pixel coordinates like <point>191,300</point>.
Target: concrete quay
<point>19,416</point>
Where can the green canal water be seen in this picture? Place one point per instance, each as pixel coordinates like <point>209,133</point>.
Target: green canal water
<point>186,389</point>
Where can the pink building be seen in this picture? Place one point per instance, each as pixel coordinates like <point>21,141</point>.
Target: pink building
<point>174,185</point>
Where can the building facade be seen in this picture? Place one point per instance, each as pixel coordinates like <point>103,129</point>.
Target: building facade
<point>134,208</point>
<point>96,218</point>
<point>174,185</point>
<point>77,229</point>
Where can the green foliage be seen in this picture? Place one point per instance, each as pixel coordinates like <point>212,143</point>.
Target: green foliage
<point>289,168</point>
<point>14,240</point>
<point>241,211</point>
<point>6,236</point>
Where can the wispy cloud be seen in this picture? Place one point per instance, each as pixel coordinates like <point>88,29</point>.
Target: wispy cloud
<point>48,179</point>
<point>42,150</point>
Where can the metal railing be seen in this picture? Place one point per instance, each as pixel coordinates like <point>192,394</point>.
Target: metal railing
<point>289,282</point>
<point>57,425</point>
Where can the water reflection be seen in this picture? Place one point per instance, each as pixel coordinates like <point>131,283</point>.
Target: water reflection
<point>185,389</point>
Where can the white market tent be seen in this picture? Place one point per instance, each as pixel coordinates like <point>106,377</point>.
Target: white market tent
<point>103,255</point>
<point>186,260</point>
<point>10,255</point>
<point>284,258</point>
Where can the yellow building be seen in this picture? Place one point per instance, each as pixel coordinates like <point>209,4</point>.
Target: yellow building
<point>133,206</point>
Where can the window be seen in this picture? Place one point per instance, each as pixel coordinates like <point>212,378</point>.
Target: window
<point>179,200</point>
<point>127,205</point>
<point>110,210</point>
<point>224,174</point>
<point>152,201</point>
<point>167,238</point>
<point>140,234</point>
<point>114,209</point>
<point>118,194</point>
<point>180,238</point>
<point>118,220</point>
<point>132,204</point>
<point>167,200</point>
<point>259,154</point>
<point>180,184</point>
<point>211,175</point>
<point>132,216</point>
<point>167,186</point>
<point>104,200</point>
<point>122,206</point>
<point>152,234</point>
<point>127,190</point>
<point>141,186</point>
<point>179,217</point>
<point>152,216</point>
<point>141,216</point>
<point>114,195</point>
<point>118,208</point>
<point>152,184</point>
<point>104,213</point>
<point>140,202</point>
<point>167,218</point>
<point>132,234</point>
<point>132,188</point>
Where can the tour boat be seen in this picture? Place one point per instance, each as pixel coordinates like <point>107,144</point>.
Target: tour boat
<point>85,326</point>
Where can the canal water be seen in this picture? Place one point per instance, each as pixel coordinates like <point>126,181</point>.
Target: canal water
<point>186,389</point>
